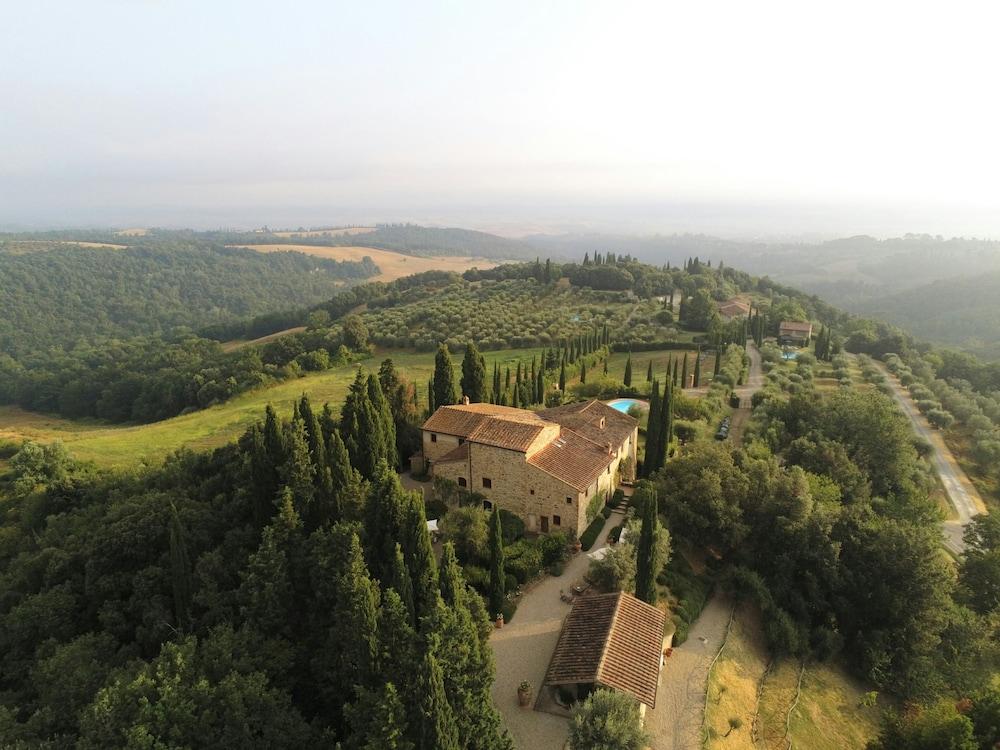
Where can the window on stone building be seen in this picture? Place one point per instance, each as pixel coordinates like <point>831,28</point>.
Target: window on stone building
<point>556,521</point>
<point>532,492</point>
<point>434,438</point>
<point>569,501</point>
<point>487,483</point>
<point>487,505</point>
<point>462,482</point>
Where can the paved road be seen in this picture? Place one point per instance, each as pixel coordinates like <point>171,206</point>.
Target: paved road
<point>962,494</point>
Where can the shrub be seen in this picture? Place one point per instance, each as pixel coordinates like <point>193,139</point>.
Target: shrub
<point>588,537</point>
<point>512,526</point>
<point>524,560</point>
<point>477,577</point>
<point>556,569</point>
<point>508,610</point>
<point>553,547</point>
<point>606,511</point>
<point>617,497</point>
<point>615,534</point>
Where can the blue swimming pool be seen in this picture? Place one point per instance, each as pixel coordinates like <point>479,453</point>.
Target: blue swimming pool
<point>624,404</point>
<point>787,356</point>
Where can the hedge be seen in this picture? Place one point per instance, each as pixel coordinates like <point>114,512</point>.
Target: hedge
<point>588,537</point>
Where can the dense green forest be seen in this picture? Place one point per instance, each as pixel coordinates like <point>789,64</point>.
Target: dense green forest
<point>66,294</point>
<point>265,595</point>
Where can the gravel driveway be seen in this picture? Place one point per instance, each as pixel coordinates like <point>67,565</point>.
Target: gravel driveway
<point>524,648</point>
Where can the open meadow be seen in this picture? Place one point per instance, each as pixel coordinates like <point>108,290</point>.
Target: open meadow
<point>338,232</point>
<point>392,265</point>
<point>824,712</point>
<point>120,446</point>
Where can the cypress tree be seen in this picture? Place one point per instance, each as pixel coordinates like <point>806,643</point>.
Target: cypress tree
<point>419,555</point>
<point>314,433</point>
<point>675,375</point>
<point>540,386</point>
<point>274,444</point>
<point>681,311</point>
<point>402,584</point>
<point>363,428</point>
<point>450,577</point>
<point>562,377</point>
<point>431,408</point>
<point>437,729</point>
<point>345,484</point>
<point>263,482</point>
<point>627,380</point>
<point>684,372</point>
<point>298,473</point>
<point>444,378</point>
<point>605,365</point>
<point>381,725</point>
<point>583,371</point>
<point>718,363</point>
<point>535,397</point>
<point>180,570</point>
<point>547,272</point>
<point>697,369</point>
<point>645,576</point>
<point>667,416</point>
<point>653,437</point>
<point>649,372</point>
<point>384,519</point>
<point>497,581</point>
<point>350,656</point>
<point>385,422</point>
<point>473,374</point>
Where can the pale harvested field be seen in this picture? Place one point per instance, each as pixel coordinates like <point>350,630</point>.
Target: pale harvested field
<point>78,243</point>
<point>343,231</point>
<point>393,265</point>
<point>239,344</point>
<point>134,232</point>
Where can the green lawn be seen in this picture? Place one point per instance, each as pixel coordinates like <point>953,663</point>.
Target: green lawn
<point>128,445</point>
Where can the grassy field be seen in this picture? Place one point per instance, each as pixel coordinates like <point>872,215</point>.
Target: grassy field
<point>120,446</point>
<point>392,265</point>
<point>827,715</point>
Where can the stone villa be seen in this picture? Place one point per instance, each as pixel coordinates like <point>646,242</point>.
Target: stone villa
<point>545,466</point>
<point>794,332</point>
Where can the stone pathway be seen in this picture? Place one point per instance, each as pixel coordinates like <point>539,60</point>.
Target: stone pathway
<point>675,723</point>
<point>524,648</point>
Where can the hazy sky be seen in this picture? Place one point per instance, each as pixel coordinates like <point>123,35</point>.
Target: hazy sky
<point>734,117</point>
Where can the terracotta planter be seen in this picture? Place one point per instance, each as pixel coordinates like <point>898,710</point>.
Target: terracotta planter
<point>523,697</point>
<point>498,623</point>
<point>577,546</point>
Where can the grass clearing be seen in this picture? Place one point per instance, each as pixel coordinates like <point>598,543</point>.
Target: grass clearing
<point>120,446</point>
<point>230,346</point>
<point>392,265</point>
<point>828,715</point>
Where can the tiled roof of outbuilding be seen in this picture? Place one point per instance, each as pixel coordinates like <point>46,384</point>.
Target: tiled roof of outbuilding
<point>573,459</point>
<point>585,417</point>
<point>613,640</point>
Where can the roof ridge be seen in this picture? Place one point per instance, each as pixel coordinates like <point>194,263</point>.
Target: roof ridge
<point>611,630</point>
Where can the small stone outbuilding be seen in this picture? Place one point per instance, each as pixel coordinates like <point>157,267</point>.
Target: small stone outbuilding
<point>613,641</point>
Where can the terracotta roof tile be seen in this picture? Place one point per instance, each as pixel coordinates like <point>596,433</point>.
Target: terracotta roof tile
<point>585,418</point>
<point>519,429</point>
<point>573,459</point>
<point>613,640</point>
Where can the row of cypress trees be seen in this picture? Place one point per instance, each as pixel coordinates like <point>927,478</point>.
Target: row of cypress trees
<point>659,429</point>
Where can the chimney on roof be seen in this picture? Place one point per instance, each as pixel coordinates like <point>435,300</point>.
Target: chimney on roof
<point>604,421</point>
<point>465,400</point>
<point>610,452</point>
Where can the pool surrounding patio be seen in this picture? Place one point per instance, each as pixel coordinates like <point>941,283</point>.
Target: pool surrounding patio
<point>624,404</point>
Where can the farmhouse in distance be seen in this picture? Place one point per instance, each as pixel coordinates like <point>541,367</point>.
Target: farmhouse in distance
<point>545,466</point>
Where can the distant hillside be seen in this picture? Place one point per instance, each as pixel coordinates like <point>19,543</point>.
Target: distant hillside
<point>961,312</point>
<point>409,239</point>
<point>65,294</point>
